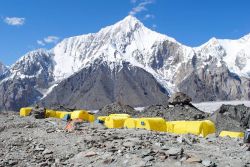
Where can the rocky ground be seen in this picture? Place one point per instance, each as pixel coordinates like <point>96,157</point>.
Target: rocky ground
<point>168,112</point>
<point>33,142</point>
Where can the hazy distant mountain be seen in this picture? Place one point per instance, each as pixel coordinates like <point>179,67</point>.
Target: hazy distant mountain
<point>73,72</point>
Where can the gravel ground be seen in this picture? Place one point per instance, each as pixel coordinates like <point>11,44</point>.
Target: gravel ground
<point>32,142</point>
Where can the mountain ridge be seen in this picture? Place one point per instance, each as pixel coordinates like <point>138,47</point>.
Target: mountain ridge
<point>171,63</point>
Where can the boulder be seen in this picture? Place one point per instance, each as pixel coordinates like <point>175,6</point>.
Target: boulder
<point>179,98</point>
<point>38,113</point>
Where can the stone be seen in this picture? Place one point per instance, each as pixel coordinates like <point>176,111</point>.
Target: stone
<point>206,162</point>
<point>12,162</point>
<point>90,154</point>
<point>147,152</point>
<point>148,158</point>
<point>174,151</point>
<point>180,139</point>
<point>38,113</point>
<point>47,151</point>
<point>193,160</point>
<point>38,148</point>
<point>50,130</point>
<point>108,161</point>
<point>128,144</point>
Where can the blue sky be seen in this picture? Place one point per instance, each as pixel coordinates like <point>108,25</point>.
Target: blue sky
<point>30,24</point>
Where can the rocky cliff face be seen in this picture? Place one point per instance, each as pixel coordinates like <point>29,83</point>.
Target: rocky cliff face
<point>96,86</point>
<point>217,70</point>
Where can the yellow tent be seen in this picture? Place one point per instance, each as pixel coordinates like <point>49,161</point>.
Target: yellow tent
<point>115,122</point>
<point>208,127</point>
<point>61,114</point>
<point>155,124</point>
<point>130,123</point>
<point>120,115</point>
<point>91,118</point>
<point>169,127</point>
<point>25,111</point>
<point>231,134</point>
<point>202,128</point>
<point>81,114</point>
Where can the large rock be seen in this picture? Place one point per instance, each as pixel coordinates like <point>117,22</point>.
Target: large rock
<point>232,118</point>
<point>179,98</point>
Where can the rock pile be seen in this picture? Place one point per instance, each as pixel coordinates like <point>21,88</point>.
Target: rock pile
<point>173,113</point>
<point>232,118</point>
<point>116,108</point>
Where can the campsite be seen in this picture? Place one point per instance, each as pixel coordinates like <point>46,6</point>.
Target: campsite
<point>84,138</point>
<point>124,83</point>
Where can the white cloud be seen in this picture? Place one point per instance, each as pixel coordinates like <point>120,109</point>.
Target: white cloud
<point>14,21</point>
<point>149,16</point>
<point>48,40</point>
<point>51,39</point>
<point>141,7</point>
<point>39,42</point>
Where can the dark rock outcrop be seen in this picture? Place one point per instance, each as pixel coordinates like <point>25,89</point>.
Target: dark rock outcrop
<point>232,118</point>
<point>173,113</point>
<point>97,86</point>
<point>179,98</point>
<point>211,84</point>
<point>116,108</point>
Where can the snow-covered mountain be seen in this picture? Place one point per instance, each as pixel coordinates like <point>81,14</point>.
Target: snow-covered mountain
<point>217,70</point>
<point>3,69</point>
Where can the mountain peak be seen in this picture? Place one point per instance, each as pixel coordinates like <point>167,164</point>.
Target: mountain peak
<point>130,19</point>
<point>129,22</point>
<point>3,68</point>
<point>246,37</point>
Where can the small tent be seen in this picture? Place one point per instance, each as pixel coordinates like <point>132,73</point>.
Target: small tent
<point>50,113</point>
<point>202,128</point>
<point>169,127</point>
<point>115,122</point>
<point>56,114</point>
<point>231,134</point>
<point>61,114</point>
<point>25,111</point>
<point>91,117</point>
<point>80,114</point>
<point>130,123</point>
<point>155,124</point>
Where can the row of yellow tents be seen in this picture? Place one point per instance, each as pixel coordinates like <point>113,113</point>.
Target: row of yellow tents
<point>200,128</point>
<point>77,114</point>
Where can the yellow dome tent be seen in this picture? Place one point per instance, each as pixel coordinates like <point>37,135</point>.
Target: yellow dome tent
<point>231,134</point>
<point>25,111</point>
<point>202,128</point>
<point>155,124</point>
<point>115,122</point>
<point>130,123</point>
